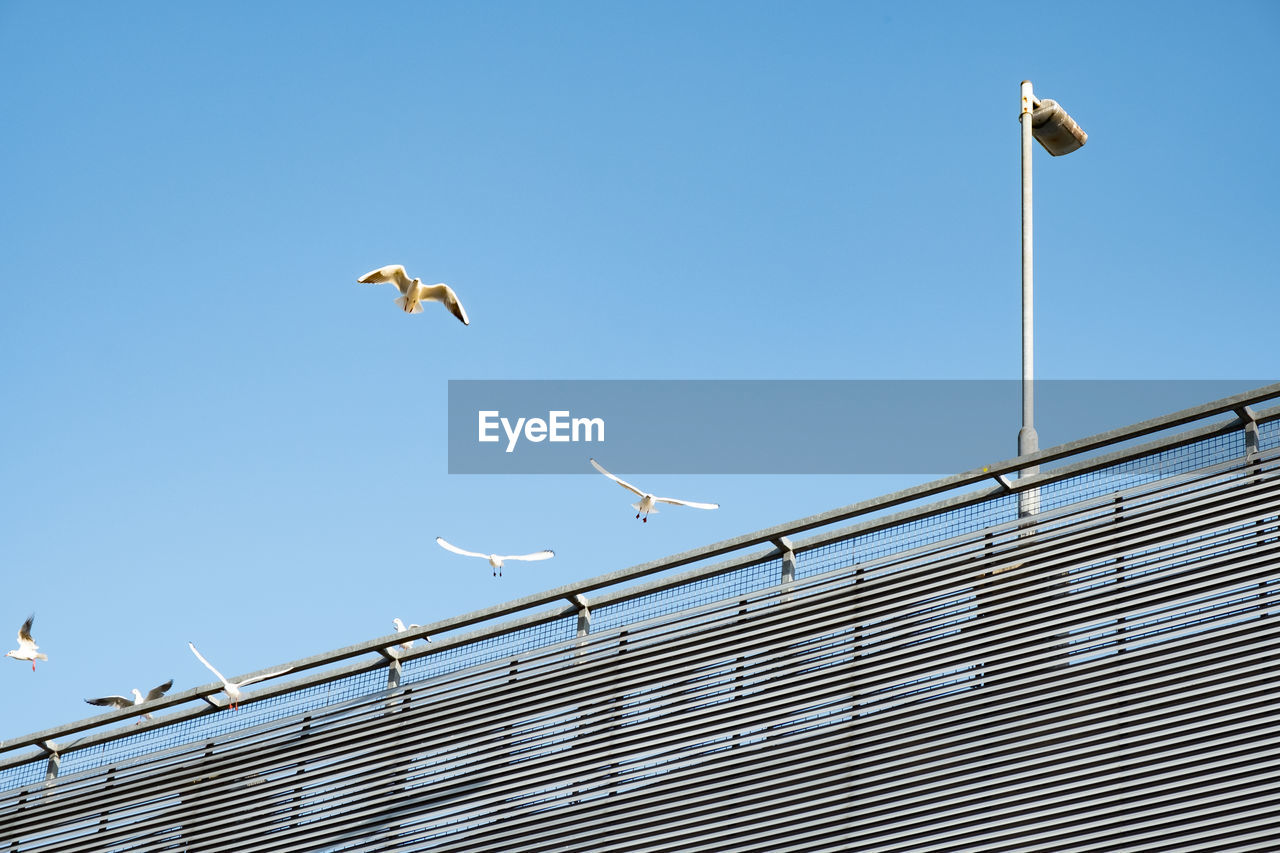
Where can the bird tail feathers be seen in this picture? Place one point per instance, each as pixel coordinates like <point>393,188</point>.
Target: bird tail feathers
<point>636,507</point>
<point>41,656</point>
<point>403,301</point>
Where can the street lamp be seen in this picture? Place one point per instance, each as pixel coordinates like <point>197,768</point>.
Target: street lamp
<point>1058,133</point>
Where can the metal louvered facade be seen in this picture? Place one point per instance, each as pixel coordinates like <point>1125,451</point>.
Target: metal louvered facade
<point>1098,676</point>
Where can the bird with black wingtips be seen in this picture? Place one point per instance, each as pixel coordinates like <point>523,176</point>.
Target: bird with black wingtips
<point>233,688</point>
<point>496,561</point>
<point>138,699</point>
<point>27,648</point>
<point>645,505</point>
<point>413,292</point>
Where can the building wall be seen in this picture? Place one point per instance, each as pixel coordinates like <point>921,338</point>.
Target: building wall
<point>1098,676</point>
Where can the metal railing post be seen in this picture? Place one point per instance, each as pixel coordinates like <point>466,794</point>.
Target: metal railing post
<point>55,760</point>
<point>579,601</point>
<point>788,565</point>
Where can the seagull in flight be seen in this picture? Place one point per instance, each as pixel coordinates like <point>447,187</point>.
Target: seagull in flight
<point>400,629</point>
<point>496,560</point>
<point>232,688</point>
<point>27,648</point>
<point>414,292</point>
<point>138,699</point>
<point>645,505</point>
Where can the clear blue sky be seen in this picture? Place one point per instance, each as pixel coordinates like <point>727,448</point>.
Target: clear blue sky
<point>211,432</point>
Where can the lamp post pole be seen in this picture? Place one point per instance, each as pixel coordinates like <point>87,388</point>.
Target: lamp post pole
<point>1058,133</point>
<point>1028,440</point>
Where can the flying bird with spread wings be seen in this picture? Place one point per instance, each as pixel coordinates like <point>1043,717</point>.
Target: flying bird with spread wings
<point>27,648</point>
<point>495,560</point>
<point>414,292</point>
<point>138,699</point>
<point>647,501</point>
<point>233,688</point>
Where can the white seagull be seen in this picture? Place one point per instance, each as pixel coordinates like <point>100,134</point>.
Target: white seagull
<point>414,292</point>
<point>496,560</point>
<point>646,503</point>
<point>138,699</point>
<point>232,688</point>
<point>27,648</point>
<point>400,629</point>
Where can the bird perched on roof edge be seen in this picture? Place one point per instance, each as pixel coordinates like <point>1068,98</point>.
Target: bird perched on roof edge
<point>138,699</point>
<point>400,629</point>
